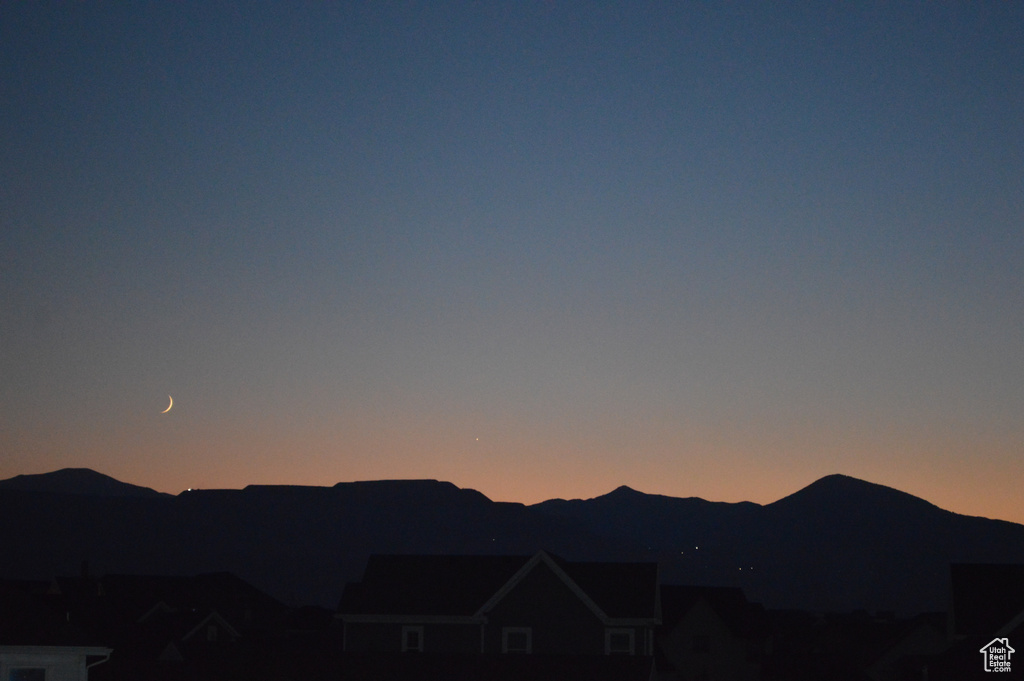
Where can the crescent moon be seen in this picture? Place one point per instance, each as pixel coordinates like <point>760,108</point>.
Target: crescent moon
<point>169,405</point>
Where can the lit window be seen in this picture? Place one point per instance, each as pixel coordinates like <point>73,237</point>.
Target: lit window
<point>412,639</point>
<point>516,640</point>
<point>618,642</point>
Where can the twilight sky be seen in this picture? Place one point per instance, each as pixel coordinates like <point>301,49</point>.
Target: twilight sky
<point>539,249</point>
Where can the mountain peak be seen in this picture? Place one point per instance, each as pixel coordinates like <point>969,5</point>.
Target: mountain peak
<point>76,481</point>
<point>844,493</point>
<point>838,482</point>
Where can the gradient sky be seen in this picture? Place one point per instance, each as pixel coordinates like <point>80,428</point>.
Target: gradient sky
<point>539,249</point>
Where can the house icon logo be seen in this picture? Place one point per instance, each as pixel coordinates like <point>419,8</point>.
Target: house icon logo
<point>997,655</point>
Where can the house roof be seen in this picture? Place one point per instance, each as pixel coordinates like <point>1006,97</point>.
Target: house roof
<point>428,585</point>
<point>107,609</point>
<point>131,598</point>
<point>221,590</point>
<point>468,585</point>
<point>31,614</point>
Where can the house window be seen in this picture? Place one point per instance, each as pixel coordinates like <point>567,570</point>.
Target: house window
<point>211,633</point>
<point>27,674</point>
<point>516,640</point>
<point>412,639</point>
<point>618,642</point>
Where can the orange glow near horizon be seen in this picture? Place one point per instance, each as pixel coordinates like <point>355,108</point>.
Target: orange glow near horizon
<point>505,464</point>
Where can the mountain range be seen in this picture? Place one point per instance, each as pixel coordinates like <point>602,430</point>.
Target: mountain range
<point>838,544</point>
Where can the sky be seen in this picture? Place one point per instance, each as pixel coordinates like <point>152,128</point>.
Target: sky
<point>537,249</point>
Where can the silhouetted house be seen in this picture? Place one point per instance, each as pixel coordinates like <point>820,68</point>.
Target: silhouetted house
<point>137,598</point>
<point>712,633</point>
<point>910,648</point>
<point>175,633</point>
<point>986,603</point>
<point>161,628</point>
<point>855,646</point>
<point>171,627</point>
<point>986,600</point>
<point>151,627</point>
<point>30,615</point>
<point>38,639</point>
<point>537,604</point>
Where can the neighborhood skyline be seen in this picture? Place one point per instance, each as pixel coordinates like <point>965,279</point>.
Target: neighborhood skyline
<point>909,543</point>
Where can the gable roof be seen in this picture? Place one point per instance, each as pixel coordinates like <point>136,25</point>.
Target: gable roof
<point>471,586</point>
<point>31,613</point>
<point>428,585</point>
<point>221,590</point>
<point>212,618</point>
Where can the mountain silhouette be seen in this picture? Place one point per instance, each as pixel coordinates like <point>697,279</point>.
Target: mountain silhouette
<point>837,544</point>
<point>77,481</point>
